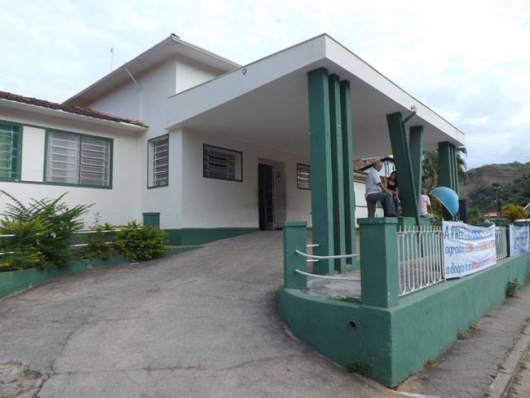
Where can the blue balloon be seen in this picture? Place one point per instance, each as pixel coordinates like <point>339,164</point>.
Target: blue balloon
<point>448,198</point>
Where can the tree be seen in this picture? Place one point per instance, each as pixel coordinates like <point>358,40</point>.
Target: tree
<point>474,216</point>
<point>431,167</point>
<point>513,212</point>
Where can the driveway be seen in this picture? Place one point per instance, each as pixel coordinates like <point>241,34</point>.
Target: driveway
<point>200,324</point>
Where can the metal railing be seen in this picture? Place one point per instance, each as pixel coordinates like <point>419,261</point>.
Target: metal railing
<point>501,242</point>
<point>420,257</point>
<point>314,258</point>
<point>73,246</point>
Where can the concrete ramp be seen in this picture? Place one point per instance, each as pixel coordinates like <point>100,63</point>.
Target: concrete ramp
<point>201,324</point>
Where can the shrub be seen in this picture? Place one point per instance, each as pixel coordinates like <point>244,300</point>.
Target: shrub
<point>20,251</point>
<point>512,287</point>
<point>59,223</point>
<point>100,243</point>
<point>140,242</point>
<point>513,212</point>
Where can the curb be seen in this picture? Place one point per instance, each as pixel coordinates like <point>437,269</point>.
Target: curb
<point>509,368</point>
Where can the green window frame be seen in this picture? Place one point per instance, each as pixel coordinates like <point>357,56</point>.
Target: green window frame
<point>10,151</point>
<point>158,162</point>
<point>78,159</point>
<point>222,164</point>
<point>303,176</point>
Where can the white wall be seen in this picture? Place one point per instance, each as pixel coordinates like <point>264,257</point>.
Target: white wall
<point>209,202</point>
<point>173,75</point>
<point>191,74</point>
<point>116,205</point>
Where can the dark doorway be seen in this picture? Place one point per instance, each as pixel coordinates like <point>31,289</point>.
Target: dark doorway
<point>266,196</point>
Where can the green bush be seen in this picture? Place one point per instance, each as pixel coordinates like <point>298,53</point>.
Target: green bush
<point>59,222</point>
<point>20,251</point>
<point>139,242</point>
<point>100,243</point>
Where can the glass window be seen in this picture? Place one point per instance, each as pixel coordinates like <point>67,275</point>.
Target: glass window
<point>78,159</point>
<point>303,176</point>
<point>221,163</point>
<point>10,151</point>
<point>158,162</point>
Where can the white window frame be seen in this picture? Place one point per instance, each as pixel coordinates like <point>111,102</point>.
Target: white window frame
<point>158,162</point>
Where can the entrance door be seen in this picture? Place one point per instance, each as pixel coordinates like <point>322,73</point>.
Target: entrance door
<point>266,196</point>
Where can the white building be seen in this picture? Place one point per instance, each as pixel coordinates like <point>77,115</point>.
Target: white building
<point>203,146</point>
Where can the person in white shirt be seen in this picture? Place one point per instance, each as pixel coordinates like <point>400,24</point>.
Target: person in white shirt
<point>377,192</point>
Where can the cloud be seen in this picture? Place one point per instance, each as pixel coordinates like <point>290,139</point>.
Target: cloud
<point>467,60</point>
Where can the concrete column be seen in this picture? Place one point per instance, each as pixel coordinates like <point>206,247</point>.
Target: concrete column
<point>347,153</point>
<point>416,155</point>
<point>321,177</point>
<point>447,165</point>
<point>379,262</point>
<point>294,238</point>
<point>337,170</point>
<point>402,159</point>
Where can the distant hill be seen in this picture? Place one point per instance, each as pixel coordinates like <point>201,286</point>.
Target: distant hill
<point>513,180</point>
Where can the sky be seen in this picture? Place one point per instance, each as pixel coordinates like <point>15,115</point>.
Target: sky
<point>467,60</point>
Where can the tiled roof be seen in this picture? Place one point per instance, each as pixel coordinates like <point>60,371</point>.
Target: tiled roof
<point>78,110</point>
<point>360,164</point>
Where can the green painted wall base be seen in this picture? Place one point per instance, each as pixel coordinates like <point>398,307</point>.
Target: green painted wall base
<point>199,236</point>
<point>16,281</point>
<point>394,343</point>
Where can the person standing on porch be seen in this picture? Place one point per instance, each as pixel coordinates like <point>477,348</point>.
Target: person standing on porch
<point>376,191</point>
<point>425,205</point>
<point>392,185</point>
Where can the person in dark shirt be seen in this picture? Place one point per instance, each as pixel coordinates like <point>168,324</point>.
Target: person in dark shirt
<point>392,186</point>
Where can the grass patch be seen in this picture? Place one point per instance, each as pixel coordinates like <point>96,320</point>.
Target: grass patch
<point>512,288</point>
<point>359,367</point>
<point>347,299</point>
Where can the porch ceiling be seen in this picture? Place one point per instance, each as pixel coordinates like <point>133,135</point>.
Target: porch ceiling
<point>266,103</point>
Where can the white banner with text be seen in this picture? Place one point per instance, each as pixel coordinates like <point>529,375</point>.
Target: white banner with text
<point>519,240</point>
<point>467,249</point>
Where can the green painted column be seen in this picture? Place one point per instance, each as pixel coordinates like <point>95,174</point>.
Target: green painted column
<point>402,159</point>
<point>447,163</point>
<point>379,262</point>
<point>416,156</point>
<point>347,153</point>
<point>456,182</point>
<point>294,238</point>
<point>445,160</point>
<point>321,177</point>
<point>337,170</point>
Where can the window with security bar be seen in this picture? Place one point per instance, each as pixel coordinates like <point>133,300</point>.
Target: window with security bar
<point>303,176</point>
<point>221,163</point>
<point>10,137</point>
<point>158,165</point>
<point>78,159</point>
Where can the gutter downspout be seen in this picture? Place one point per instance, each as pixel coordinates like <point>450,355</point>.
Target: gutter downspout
<point>139,93</point>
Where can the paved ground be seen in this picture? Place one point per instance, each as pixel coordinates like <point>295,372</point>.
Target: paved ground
<point>470,365</point>
<point>200,324</point>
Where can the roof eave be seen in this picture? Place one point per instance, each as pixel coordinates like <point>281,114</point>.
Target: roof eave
<point>116,77</point>
<point>71,116</point>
